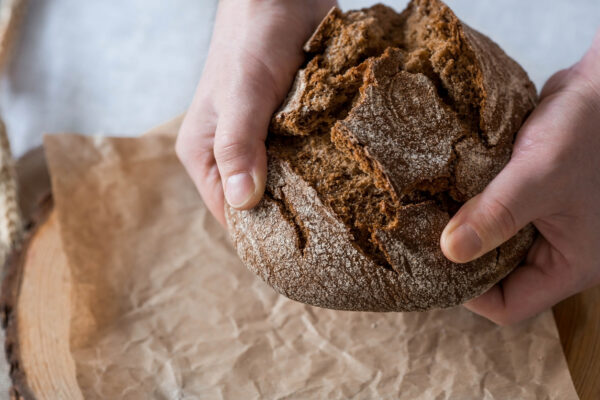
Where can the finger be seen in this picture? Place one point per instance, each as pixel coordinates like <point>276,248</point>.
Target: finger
<point>528,290</point>
<point>513,199</point>
<point>194,148</point>
<point>555,83</point>
<point>239,148</point>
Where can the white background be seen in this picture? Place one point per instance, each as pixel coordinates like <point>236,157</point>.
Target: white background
<point>120,67</point>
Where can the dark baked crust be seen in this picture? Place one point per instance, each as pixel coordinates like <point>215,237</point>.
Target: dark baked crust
<point>422,112</point>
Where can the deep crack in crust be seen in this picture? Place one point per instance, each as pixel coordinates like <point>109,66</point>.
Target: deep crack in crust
<point>394,122</point>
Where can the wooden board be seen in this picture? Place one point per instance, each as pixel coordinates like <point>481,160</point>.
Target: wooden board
<point>36,315</point>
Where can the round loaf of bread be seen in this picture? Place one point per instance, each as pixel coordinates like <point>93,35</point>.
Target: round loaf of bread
<point>395,120</point>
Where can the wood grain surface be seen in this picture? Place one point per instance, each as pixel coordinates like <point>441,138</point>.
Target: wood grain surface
<point>578,321</point>
<point>36,309</point>
<point>36,314</point>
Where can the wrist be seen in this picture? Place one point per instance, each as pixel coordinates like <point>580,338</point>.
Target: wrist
<point>311,12</point>
<point>589,65</point>
<point>586,73</point>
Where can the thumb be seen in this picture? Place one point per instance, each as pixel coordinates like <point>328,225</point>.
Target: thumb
<point>510,201</point>
<point>240,151</point>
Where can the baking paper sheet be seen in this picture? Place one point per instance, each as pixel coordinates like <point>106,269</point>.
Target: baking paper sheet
<point>163,308</point>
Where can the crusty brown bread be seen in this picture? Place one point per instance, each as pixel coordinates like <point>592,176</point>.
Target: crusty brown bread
<point>394,122</point>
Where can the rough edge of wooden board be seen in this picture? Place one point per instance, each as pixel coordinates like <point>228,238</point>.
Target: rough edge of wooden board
<point>11,287</point>
<point>13,12</point>
<point>12,272</point>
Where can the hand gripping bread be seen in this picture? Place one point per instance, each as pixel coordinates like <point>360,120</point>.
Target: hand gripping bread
<point>392,124</point>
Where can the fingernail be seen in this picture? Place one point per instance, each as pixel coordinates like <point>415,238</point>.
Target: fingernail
<point>239,189</point>
<point>463,244</point>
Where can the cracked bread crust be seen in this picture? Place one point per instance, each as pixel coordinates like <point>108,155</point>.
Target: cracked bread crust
<point>392,124</point>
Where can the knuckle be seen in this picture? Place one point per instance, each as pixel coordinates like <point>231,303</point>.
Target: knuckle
<point>181,149</point>
<point>194,153</point>
<point>500,218</point>
<point>194,143</point>
<point>229,149</point>
<point>555,82</point>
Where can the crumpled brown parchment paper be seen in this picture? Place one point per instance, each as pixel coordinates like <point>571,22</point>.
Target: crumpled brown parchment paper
<point>163,309</point>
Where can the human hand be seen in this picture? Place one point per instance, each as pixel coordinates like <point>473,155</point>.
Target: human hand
<point>255,51</point>
<point>552,180</point>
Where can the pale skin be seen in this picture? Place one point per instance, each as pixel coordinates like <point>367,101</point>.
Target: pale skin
<point>552,179</point>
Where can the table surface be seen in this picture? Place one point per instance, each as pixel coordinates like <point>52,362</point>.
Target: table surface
<point>121,67</point>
